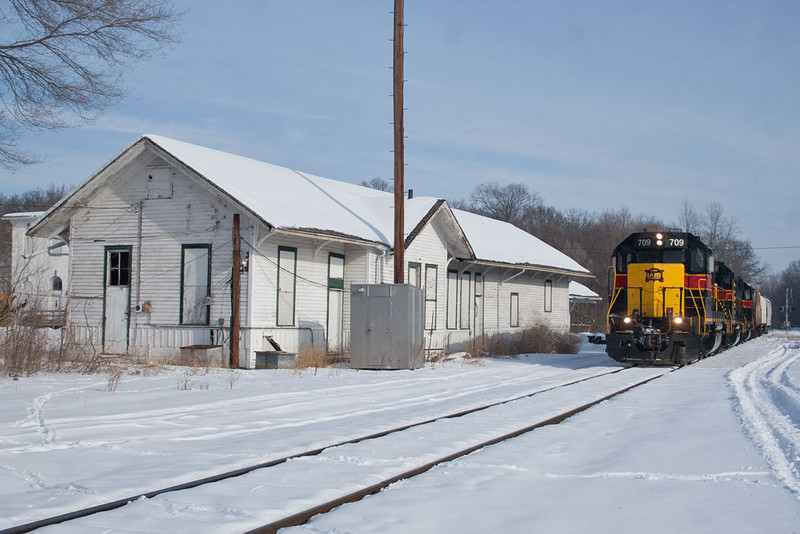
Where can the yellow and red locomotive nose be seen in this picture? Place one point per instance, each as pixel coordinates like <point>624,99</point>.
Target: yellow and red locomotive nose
<point>653,288</point>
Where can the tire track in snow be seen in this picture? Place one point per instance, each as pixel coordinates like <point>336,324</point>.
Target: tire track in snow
<point>769,407</point>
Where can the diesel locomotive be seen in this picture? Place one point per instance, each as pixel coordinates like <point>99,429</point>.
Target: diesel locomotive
<point>671,302</point>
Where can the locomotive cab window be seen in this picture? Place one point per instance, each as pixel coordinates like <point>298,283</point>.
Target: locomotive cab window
<point>673,256</point>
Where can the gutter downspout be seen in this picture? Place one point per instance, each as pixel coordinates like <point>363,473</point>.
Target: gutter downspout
<point>138,275</point>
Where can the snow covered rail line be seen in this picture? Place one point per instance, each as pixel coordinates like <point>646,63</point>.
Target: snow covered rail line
<point>258,499</point>
<point>769,407</point>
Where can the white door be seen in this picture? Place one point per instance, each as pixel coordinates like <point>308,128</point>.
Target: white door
<point>335,302</point>
<point>335,319</point>
<point>117,300</point>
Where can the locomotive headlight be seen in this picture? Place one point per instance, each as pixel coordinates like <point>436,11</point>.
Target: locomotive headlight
<point>659,236</point>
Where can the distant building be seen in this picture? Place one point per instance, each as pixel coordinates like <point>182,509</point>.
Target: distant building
<point>150,239</point>
<point>39,267</point>
<point>580,299</point>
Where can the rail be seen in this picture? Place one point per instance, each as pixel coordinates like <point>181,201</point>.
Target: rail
<point>77,514</point>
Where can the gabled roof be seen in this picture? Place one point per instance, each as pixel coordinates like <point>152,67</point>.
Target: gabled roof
<point>581,293</point>
<point>296,201</point>
<point>499,242</point>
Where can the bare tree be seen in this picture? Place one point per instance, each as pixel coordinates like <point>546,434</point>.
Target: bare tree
<point>689,219</point>
<point>376,182</point>
<point>721,232</point>
<point>513,203</point>
<point>61,60</point>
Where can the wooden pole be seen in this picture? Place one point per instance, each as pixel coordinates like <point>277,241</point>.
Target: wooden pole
<point>235,291</point>
<point>399,219</point>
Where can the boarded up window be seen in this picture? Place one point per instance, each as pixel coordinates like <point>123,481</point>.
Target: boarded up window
<point>514,319</point>
<point>195,284</point>
<point>452,299</point>
<point>431,288</point>
<point>548,295</point>
<point>415,274</point>
<point>287,283</point>
<point>159,182</point>
<point>464,300</point>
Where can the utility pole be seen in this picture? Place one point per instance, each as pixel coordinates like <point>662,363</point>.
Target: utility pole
<point>235,291</point>
<point>399,216</point>
<point>786,309</point>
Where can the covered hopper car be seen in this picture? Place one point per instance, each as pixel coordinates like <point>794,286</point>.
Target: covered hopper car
<point>671,302</point>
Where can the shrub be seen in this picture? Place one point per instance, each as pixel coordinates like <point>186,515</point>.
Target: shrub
<point>310,356</point>
<point>536,340</point>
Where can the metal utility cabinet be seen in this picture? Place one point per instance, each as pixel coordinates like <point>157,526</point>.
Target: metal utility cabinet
<point>386,326</point>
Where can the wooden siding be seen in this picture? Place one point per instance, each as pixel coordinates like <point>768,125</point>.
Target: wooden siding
<point>120,214</point>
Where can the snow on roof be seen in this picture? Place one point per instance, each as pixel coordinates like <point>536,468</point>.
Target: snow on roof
<point>498,241</point>
<point>290,199</point>
<point>23,215</point>
<point>581,291</point>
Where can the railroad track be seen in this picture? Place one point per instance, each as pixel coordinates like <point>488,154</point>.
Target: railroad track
<point>412,449</point>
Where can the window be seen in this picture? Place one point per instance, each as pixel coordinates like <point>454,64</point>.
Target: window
<point>452,299</point>
<point>415,274</point>
<point>119,267</point>
<point>55,284</point>
<point>195,284</point>
<point>514,318</point>
<point>287,274</point>
<point>431,289</point>
<point>464,300</point>
<point>548,295</point>
<point>335,271</point>
<point>697,262</point>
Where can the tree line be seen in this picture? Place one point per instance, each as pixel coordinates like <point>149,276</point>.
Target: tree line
<point>590,237</point>
<point>587,237</point>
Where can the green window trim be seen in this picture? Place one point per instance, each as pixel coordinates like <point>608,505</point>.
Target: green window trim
<point>463,300</point>
<point>414,279</point>
<point>548,296</point>
<point>431,295</point>
<point>106,250</point>
<point>334,282</point>
<point>514,310</point>
<point>206,307</point>
<point>452,300</point>
<point>285,314</point>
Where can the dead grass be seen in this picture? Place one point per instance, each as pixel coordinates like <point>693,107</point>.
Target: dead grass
<point>536,340</point>
<point>309,357</point>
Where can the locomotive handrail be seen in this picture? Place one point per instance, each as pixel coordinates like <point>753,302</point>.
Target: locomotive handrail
<point>694,297</point>
<point>616,294</point>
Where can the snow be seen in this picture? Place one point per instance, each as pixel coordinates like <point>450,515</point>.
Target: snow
<point>576,289</point>
<point>711,447</point>
<point>516,246</point>
<point>282,197</point>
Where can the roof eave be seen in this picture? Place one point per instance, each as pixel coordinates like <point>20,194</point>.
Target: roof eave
<point>533,267</point>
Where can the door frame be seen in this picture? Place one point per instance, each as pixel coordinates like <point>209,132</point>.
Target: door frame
<point>106,250</point>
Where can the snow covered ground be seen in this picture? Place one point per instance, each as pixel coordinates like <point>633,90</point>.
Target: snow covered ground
<point>711,447</point>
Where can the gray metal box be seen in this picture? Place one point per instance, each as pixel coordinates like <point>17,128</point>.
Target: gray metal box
<point>387,326</point>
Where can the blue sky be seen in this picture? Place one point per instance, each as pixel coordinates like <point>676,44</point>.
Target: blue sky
<point>593,104</point>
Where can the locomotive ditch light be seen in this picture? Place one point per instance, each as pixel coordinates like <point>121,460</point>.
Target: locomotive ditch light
<point>627,320</point>
<point>678,320</point>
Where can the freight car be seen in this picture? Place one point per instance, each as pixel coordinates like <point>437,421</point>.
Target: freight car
<point>671,302</point>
